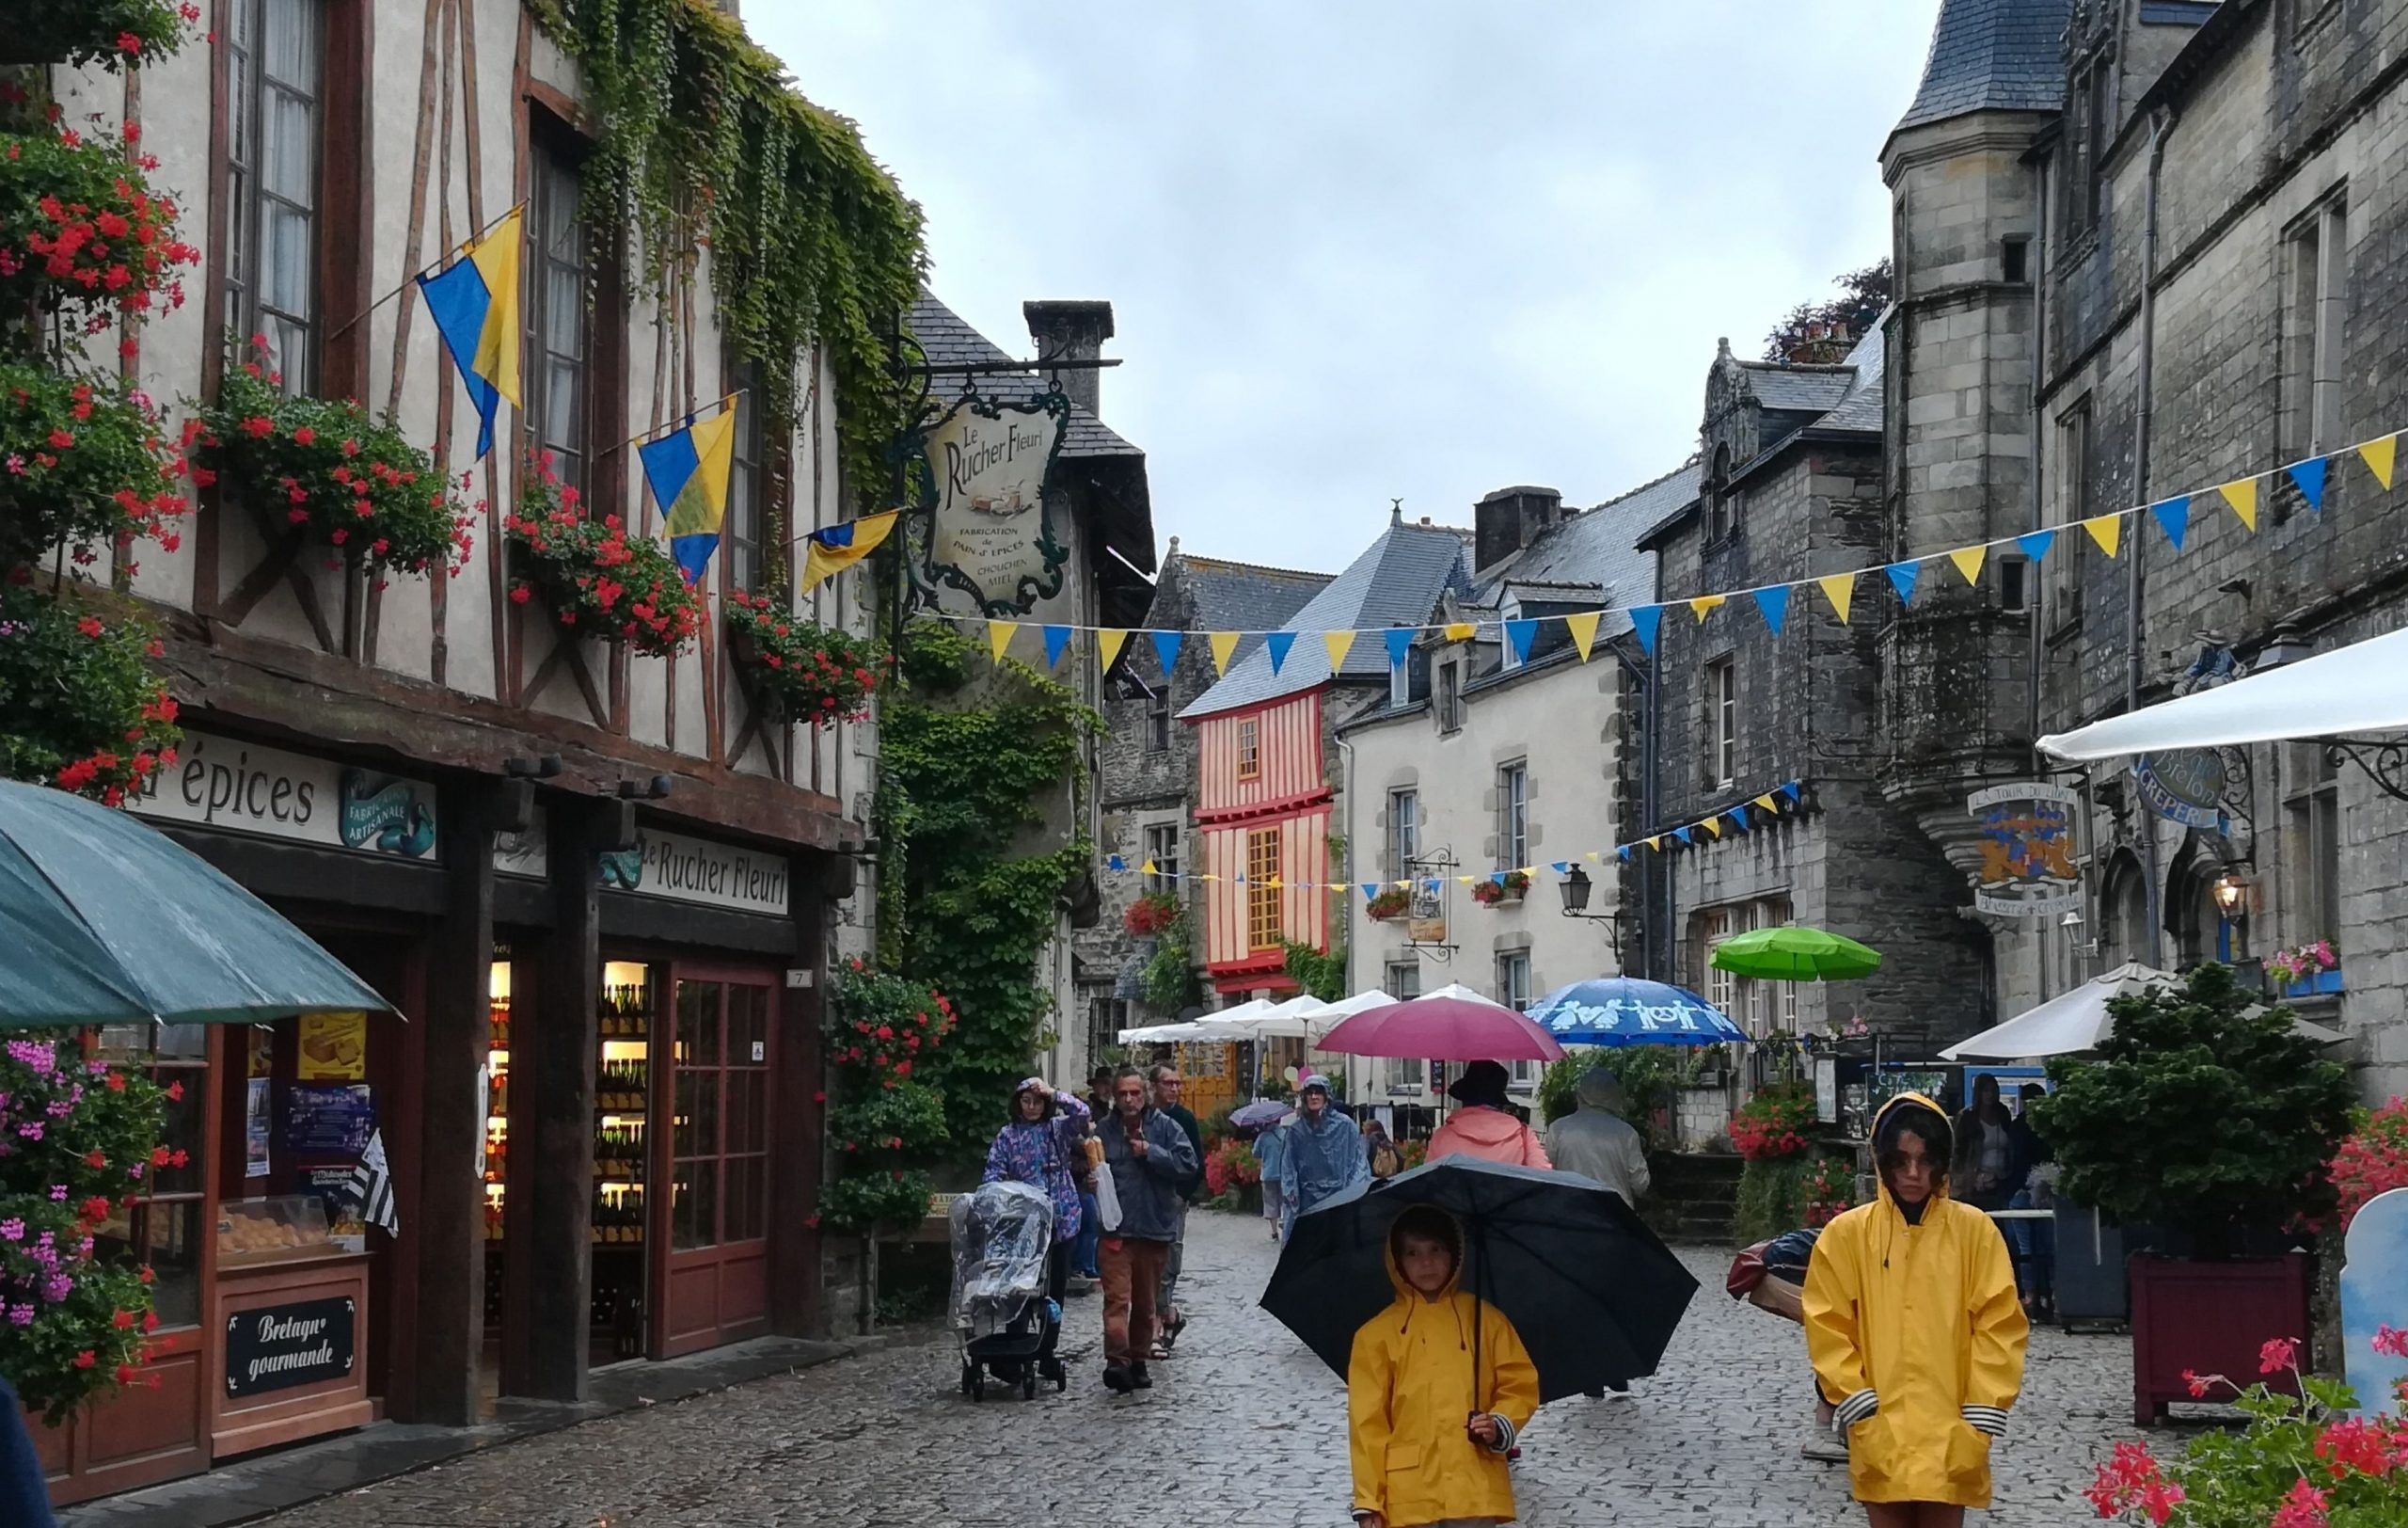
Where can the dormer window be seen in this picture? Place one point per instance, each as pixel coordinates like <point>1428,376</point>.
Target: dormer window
<point>1511,612</point>
<point>1722,504</point>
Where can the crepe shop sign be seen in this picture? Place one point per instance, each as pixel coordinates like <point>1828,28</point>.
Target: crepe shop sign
<point>235,787</point>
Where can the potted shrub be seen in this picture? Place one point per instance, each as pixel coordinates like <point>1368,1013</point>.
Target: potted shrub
<point>801,670</point>
<point>351,482</point>
<point>883,1123</point>
<point>592,576</point>
<point>1150,914</point>
<point>110,33</point>
<point>2310,968</point>
<point>81,235</point>
<point>2203,1114</point>
<point>1505,888</point>
<point>1387,902</point>
<point>1769,1132</point>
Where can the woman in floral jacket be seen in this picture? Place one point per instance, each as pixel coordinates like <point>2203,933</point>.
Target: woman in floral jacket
<point>1042,1147</point>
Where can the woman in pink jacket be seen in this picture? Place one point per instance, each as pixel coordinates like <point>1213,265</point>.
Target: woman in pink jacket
<point>1485,1126</point>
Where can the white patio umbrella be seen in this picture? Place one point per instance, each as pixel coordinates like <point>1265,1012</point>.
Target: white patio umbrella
<point>1212,1028</point>
<point>1301,1017</point>
<point>1346,1007</point>
<point>2351,690</point>
<point>2078,1020</point>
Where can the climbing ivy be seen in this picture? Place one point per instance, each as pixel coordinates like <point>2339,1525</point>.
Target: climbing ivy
<point>700,140</point>
<point>1322,975</point>
<point>966,904</point>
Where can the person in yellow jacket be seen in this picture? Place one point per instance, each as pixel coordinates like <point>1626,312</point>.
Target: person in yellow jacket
<point>1432,1413</point>
<point>1915,1331</point>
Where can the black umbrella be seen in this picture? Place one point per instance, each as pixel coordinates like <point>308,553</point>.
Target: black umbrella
<point>1592,1293</point>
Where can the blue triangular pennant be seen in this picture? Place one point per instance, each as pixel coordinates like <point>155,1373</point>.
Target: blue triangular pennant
<point>1114,862</point>
<point>1057,641</point>
<point>1794,790</point>
<point>1625,853</point>
<point>1167,646</point>
<point>1562,866</point>
<point>2310,475</point>
<point>1739,815</point>
<point>1241,879</point>
<point>1400,641</point>
<point>1497,878</point>
<point>1278,642</point>
<point>2172,518</point>
<point>1902,578</point>
<point>1370,889</point>
<point>2035,544</point>
<point>1519,633</point>
<point>1644,619</point>
<point>1681,834</point>
<point>1773,605</point>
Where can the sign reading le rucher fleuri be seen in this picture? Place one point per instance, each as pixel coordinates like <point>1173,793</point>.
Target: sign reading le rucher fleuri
<point>2027,842</point>
<point>978,474</point>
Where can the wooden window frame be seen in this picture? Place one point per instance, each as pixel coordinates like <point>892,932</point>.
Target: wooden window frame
<point>1249,740</point>
<point>1158,718</point>
<point>1513,815</point>
<point>1264,927</point>
<point>1405,830</point>
<point>1722,720</point>
<point>1165,877</point>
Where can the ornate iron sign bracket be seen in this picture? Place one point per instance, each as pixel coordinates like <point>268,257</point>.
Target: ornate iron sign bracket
<point>2382,760</point>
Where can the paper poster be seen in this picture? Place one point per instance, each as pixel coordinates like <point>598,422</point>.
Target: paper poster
<point>334,1047</point>
<point>257,1122</point>
<point>328,1122</point>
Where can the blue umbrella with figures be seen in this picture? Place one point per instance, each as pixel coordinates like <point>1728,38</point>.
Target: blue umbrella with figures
<point>1624,1010</point>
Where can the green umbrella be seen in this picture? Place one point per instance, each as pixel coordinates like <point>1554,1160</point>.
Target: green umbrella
<point>105,921</point>
<point>1795,955</point>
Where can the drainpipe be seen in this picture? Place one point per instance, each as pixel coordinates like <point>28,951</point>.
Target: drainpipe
<point>1353,956</point>
<point>2161,123</point>
<point>2033,596</point>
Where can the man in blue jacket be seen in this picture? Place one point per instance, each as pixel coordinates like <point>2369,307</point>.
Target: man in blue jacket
<point>25,1494</point>
<point>1150,1159</point>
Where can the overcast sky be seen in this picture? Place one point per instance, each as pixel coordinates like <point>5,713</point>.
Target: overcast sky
<point>1357,250</point>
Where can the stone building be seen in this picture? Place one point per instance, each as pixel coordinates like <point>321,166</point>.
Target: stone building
<point>2192,207</point>
<point>1791,488</point>
<point>1149,768</point>
<point>1509,749</point>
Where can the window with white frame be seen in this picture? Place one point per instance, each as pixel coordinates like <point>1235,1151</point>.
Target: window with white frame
<point>2315,266</point>
<point>1722,721</point>
<point>1508,658</point>
<point>276,59</point>
<point>1513,816</point>
<point>1403,1077</point>
<point>1514,991</point>
<point>1404,832</point>
<point>1162,848</point>
<point>2312,845</point>
<point>1450,691</point>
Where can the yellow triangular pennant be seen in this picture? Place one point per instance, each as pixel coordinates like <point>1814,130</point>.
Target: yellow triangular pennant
<point>1148,869</point>
<point>1969,561</point>
<point>1224,644</point>
<point>1465,879</point>
<point>1583,628</point>
<point>1274,882</point>
<point>2241,494</point>
<point>1763,803</point>
<point>1705,605</point>
<point>999,636</point>
<point>1108,643</point>
<point>1713,826</point>
<point>2107,529</point>
<point>1404,885</point>
<point>1340,644</point>
<point>1460,631</point>
<point>1840,588</point>
<point>1656,843</point>
<point>2378,455</point>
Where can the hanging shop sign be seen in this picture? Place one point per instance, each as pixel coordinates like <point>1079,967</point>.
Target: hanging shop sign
<point>250,787</point>
<point>2026,838</point>
<point>1426,919</point>
<point>684,869</point>
<point>525,854</point>
<point>283,1347</point>
<point>979,473</point>
<point>2185,785</point>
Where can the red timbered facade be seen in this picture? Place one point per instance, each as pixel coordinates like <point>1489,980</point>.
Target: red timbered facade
<point>1262,816</point>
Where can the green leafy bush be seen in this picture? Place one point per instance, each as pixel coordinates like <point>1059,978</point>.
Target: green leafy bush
<point>82,459</point>
<point>79,707</point>
<point>111,32</point>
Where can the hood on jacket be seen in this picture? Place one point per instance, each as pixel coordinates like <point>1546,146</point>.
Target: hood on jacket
<point>1485,1126</point>
<point>1396,1270</point>
<point>1026,1084</point>
<point>1940,1149</point>
<point>1601,1090</point>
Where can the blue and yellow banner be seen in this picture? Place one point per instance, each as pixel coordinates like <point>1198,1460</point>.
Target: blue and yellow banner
<point>832,549</point>
<point>474,302</point>
<point>688,471</point>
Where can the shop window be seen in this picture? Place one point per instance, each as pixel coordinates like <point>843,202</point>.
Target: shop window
<point>1262,921</point>
<point>558,402</point>
<point>1161,847</point>
<point>163,1226</point>
<point>1249,748</point>
<point>276,64</point>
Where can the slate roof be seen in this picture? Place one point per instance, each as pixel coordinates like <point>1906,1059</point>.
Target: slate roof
<point>1396,582</point>
<point>1795,389</point>
<point>1992,55</point>
<point>1243,597</point>
<point>1861,408</point>
<point>947,340</point>
<point>1598,551</point>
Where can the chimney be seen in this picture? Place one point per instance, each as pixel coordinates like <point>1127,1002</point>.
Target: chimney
<point>1509,519</point>
<point>1072,330</point>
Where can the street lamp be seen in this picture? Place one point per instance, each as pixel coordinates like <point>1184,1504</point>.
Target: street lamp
<point>2231,892</point>
<point>1576,886</point>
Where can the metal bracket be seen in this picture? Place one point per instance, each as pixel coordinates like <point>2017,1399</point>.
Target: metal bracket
<point>2382,760</point>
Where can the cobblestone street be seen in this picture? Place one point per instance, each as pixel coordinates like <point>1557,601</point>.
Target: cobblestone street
<point>1244,1427</point>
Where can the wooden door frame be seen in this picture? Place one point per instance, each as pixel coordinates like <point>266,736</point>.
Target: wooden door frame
<point>659,1206</point>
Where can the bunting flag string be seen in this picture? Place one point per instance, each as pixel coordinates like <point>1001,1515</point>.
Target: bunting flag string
<point>2173,515</point>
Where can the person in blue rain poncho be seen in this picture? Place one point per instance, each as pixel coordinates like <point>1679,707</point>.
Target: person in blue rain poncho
<point>1271,1151</point>
<point>1325,1154</point>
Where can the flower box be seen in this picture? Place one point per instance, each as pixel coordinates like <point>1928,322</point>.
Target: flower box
<point>1388,904</point>
<point>1496,893</point>
<point>2208,1318</point>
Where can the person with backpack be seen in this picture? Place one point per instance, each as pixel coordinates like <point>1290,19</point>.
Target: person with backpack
<point>1378,1149</point>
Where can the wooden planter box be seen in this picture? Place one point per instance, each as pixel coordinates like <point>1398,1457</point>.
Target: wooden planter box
<point>2211,1318</point>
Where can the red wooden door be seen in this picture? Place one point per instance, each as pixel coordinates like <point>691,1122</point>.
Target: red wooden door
<point>711,1229</point>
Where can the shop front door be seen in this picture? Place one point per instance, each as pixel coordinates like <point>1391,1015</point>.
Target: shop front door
<point>711,1229</point>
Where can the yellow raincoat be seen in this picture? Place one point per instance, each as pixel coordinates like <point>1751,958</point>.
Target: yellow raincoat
<point>1409,1395</point>
<point>1917,1337</point>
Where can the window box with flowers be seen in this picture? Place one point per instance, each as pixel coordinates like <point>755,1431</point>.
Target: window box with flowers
<point>110,33</point>
<point>79,707</point>
<point>326,469</point>
<point>1508,886</point>
<point>592,576</point>
<point>1150,914</point>
<point>799,669</point>
<point>2312,968</point>
<point>1388,902</point>
<point>83,460</point>
<point>81,235</point>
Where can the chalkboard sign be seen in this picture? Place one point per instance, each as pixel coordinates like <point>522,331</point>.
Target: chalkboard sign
<point>279,1346</point>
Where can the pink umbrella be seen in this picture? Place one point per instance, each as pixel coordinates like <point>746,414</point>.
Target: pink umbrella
<point>1453,1024</point>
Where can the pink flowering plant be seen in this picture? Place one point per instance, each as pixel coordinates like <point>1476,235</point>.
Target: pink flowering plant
<point>77,1148</point>
<point>2372,1159</point>
<point>111,32</point>
<point>2296,965</point>
<point>2303,1461</point>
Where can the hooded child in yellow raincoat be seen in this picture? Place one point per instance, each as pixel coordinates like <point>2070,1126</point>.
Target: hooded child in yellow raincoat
<point>1430,1439</point>
<point>1915,1330</point>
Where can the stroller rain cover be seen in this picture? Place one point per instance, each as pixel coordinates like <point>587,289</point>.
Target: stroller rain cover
<point>1001,1235</point>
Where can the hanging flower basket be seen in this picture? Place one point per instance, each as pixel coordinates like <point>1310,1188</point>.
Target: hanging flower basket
<point>803,671</point>
<point>82,235</point>
<point>80,460</point>
<point>1490,892</point>
<point>592,576</point>
<point>1151,914</point>
<point>1391,902</point>
<point>79,707</point>
<point>355,484</point>
<point>111,32</point>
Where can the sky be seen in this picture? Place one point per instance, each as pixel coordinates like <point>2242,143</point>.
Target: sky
<point>1360,251</point>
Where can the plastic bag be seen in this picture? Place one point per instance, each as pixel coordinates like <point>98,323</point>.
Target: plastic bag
<point>1107,1199</point>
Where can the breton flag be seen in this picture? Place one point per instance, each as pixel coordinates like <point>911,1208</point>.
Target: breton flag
<point>837,547</point>
<point>688,469</point>
<point>474,302</point>
<point>373,1182</point>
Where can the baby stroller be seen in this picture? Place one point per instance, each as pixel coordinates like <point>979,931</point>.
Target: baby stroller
<point>1009,1320</point>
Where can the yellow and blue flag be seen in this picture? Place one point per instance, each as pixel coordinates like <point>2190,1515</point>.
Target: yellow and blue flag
<point>689,472</point>
<point>839,547</point>
<point>474,301</point>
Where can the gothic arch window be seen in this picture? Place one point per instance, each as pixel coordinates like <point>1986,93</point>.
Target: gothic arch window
<point>1721,503</point>
<point>2124,910</point>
